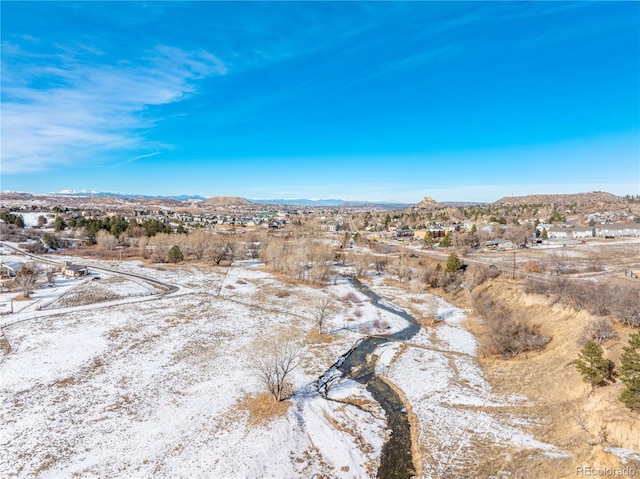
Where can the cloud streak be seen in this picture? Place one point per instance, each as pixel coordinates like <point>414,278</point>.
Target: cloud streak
<point>69,108</point>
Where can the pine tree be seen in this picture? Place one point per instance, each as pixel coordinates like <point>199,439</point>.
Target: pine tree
<point>453,263</point>
<point>595,369</point>
<point>174,255</point>
<point>59,224</point>
<point>446,241</point>
<point>428,239</point>
<point>630,372</point>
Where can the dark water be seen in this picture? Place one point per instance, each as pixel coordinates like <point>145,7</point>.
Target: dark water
<point>396,460</point>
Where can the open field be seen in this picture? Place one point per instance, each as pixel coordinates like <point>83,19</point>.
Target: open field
<point>165,388</point>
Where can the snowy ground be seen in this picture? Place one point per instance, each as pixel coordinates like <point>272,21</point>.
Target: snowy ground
<point>154,388</point>
<point>459,417</point>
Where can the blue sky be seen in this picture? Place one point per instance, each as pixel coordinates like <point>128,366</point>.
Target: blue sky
<point>467,101</point>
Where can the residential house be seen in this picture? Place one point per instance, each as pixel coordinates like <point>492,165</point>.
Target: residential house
<point>9,270</point>
<point>74,270</point>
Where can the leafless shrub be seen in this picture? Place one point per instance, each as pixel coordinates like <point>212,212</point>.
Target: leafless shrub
<point>451,282</point>
<point>559,262</point>
<point>506,334</point>
<point>601,300</point>
<point>597,330</point>
<point>357,313</point>
<point>532,266</point>
<point>274,365</point>
<point>5,345</point>
<point>380,324</point>
<point>476,275</point>
<point>351,297</point>
<point>626,305</point>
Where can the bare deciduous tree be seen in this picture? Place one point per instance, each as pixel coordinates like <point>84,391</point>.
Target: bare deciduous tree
<point>324,310</point>
<point>27,277</point>
<point>274,367</point>
<point>217,249</point>
<point>560,262</point>
<point>161,243</point>
<point>196,244</point>
<point>361,262</point>
<point>51,276</point>
<point>380,263</point>
<point>106,240</point>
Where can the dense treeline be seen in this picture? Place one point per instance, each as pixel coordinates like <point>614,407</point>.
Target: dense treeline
<point>12,219</point>
<point>116,226</point>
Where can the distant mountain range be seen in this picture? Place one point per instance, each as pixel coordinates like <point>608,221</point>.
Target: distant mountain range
<point>98,194</point>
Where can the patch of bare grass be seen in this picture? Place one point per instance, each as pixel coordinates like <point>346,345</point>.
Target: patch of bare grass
<point>262,408</point>
<point>314,337</point>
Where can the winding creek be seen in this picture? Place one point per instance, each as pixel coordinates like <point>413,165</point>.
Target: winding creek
<point>359,364</point>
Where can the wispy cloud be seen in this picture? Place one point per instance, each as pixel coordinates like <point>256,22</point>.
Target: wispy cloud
<point>70,107</point>
<point>135,158</point>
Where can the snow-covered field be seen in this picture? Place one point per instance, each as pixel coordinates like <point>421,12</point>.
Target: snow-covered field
<point>156,388</point>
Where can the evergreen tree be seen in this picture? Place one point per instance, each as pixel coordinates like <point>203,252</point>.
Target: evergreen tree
<point>428,239</point>
<point>446,241</point>
<point>117,225</point>
<point>630,372</point>
<point>545,234</point>
<point>50,240</point>
<point>59,224</point>
<point>595,369</point>
<point>453,263</point>
<point>175,255</point>
<point>41,221</point>
<point>12,219</point>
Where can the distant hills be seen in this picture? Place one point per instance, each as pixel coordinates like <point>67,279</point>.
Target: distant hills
<point>226,201</point>
<point>332,203</point>
<point>592,198</point>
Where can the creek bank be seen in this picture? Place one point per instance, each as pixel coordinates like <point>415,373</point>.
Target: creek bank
<point>359,364</point>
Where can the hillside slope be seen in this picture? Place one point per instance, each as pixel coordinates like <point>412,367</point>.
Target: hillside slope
<point>592,425</point>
